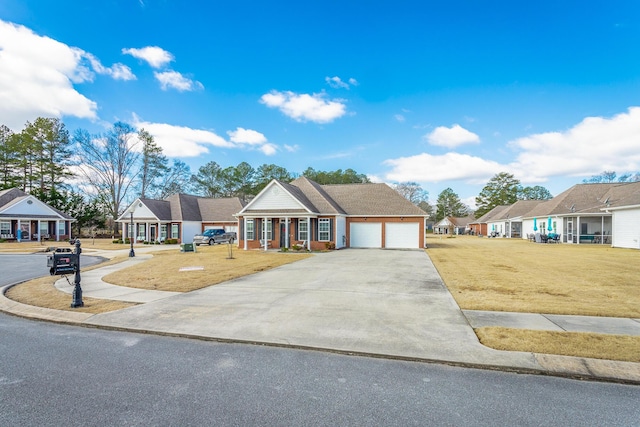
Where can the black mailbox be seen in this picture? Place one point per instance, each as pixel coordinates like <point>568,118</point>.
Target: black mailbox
<point>62,263</point>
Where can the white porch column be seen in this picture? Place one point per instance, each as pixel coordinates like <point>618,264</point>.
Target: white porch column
<point>286,231</point>
<point>19,231</point>
<point>146,231</point>
<point>308,233</point>
<point>244,232</point>
<point>57,230</point>
<point>578,230</point>
<point>264,233</point>
<point>39,231</point>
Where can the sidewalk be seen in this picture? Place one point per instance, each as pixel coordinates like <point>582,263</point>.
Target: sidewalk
<point>424,325</point>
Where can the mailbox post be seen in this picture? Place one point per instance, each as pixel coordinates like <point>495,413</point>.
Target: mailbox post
<point>77,290</point>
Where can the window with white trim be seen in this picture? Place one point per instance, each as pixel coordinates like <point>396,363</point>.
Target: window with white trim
<point>323,229</point>
<point>5,227</point>
<point>266,231</point>
<point>61,229</point>
<point>303,229</point>
<point>174,231</point>
<point>250,230</point>
<point>163,231</point>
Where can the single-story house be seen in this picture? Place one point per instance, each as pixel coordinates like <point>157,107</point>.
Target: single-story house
<point>25,218</point>
<point>315,216</point>
<point>602,213</point>
<point>576,214</point>
<point>480,226</point>
<point>624,204</point>
<point>506,220</point>
<point>180,216</point>
<point>453,225</point>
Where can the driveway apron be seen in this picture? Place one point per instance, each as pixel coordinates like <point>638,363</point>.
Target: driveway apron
<point>387,302</point>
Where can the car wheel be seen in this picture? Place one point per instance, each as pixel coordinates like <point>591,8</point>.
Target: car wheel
<point>231,241</point>
<point>211,242</point>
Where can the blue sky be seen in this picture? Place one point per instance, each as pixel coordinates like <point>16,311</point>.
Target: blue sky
<point>446,94</point>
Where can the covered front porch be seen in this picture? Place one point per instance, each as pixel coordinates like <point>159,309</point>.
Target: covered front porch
<point>32,229</point>
<point>291,232</point>
<point>149,231</point>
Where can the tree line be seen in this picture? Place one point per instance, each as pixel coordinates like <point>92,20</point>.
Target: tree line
<point>93,177</point>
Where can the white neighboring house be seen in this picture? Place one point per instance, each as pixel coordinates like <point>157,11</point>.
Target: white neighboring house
<point>180,216</point>
<point>624,205</point>
<point>25,218</point>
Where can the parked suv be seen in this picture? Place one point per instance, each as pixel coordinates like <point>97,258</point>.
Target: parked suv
<point>214,235</point>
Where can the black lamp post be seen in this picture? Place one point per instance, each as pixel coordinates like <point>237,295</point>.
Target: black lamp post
<point>131,252</point>
<point>77,290</point>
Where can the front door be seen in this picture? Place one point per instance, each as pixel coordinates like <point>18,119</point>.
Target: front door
<point>570,231</point>
<point>152,233</point>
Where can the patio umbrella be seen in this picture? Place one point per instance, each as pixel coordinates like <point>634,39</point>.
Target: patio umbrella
<point>535,224</point>
<point>549,226</point>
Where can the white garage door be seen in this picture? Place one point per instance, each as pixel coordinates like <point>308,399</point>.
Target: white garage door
<point>366,235</point>
<point>402,235</point>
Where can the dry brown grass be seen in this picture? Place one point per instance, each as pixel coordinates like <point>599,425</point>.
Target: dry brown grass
<point>162,271</point>
<point>517,275</point>
<point>598,346</point>
<point>41,293</point>
<point>520,276</point>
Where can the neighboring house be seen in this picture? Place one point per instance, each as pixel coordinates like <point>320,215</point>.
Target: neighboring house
<point>624,204</point>
<point>180,216</point>
<point>25,218</point>
<point>602,213</point>
<point>315,216</point>
<point>576,214</point>
<point>506,220</point>
<point>480,226</point>
<point>453,225</point>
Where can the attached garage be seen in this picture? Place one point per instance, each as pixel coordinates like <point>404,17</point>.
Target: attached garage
<point>366,234</point>
<point>402,235</point>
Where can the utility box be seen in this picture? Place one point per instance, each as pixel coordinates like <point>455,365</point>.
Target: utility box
<point>62,263</point>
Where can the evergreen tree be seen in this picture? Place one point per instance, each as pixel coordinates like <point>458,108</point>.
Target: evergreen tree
<point>153,165</point>
<point>502,189</point>
<point>449,204</point>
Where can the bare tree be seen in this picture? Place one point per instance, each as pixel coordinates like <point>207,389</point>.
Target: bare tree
<point>109,164</point>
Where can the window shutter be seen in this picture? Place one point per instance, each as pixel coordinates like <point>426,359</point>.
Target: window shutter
<point>257,234</point>
<point>296,234</point>
<point>315,228</point>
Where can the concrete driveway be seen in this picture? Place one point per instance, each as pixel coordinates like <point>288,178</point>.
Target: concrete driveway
<point>387,302</point>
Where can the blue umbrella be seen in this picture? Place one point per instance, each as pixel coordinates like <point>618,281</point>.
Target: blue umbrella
<point>535,224</point>
<point>549,226</point>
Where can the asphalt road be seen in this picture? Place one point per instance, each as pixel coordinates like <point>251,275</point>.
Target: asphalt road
<point>61,375</point>
<point>15,268</point>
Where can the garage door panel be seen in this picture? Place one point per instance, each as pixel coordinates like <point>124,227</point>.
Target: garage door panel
<point>366,235</point>
<point>402,235</point>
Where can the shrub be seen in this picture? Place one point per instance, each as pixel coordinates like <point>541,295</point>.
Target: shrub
<point>286,249</point>
<point>127,241</point>
<point>117,241</point>
<point>330,245</point>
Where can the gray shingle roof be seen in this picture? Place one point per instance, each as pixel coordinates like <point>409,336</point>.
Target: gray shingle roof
<point>579,199</point>
<point>213,210</point>
<point>160,208</point>
<point>371,200</point>
<point>14,195</point>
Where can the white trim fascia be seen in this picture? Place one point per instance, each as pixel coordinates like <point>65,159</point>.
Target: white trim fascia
<point>619,208</point>
<point>18,201</point>
<point>265,189</point>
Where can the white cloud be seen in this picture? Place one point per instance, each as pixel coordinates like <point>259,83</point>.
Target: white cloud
<point>305,107</point>
<point>182,141</point>
<point>291,148</point>
<point>451,166</point>
<point>117,71</point>
<point>155,56</point>
<point>451,137</point>
<point>175,80</point>
<point>37,75</point>
<point>246,136</point>
<point>399,117</point>
<point>337,83</point>
<point>588,148</point>
<point>269,149</point>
